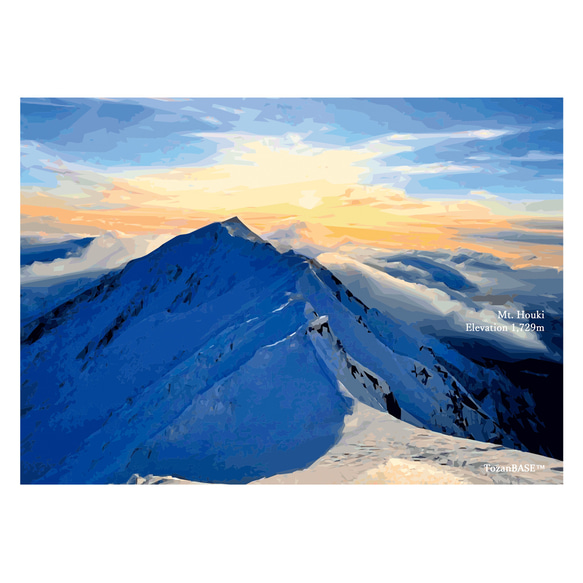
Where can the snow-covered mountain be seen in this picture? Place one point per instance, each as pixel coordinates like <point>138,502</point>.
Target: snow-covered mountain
<point>52,273</point>
<point>217,358</point>
<point>376,448</point>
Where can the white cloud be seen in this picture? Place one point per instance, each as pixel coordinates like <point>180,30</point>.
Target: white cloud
<point>421,306</point>
<point>105,252</point>
<point>434,168</point>
<point>485,134</point>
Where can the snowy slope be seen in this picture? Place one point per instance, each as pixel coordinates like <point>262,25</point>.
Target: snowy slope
<point>375,448</point>
<point>53,273</point>
<point>524,369</point>
<point>379,449</point>
<point>216,358</point>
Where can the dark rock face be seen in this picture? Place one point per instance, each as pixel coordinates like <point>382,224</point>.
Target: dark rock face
<point>392,405</point>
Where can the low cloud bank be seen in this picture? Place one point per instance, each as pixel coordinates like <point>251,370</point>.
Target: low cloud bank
<point>424,307</point>
<point>108,251</point>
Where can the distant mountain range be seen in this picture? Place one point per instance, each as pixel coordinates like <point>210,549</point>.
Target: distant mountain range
<point>217,358</point>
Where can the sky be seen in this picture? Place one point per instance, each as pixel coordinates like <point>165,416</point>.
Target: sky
<point>480,174</point>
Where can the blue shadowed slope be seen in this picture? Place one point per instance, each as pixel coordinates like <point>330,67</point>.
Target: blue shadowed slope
<point>104,349</point>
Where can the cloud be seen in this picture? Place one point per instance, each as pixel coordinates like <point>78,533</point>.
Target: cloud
<point>423,307</point>
<point>258,171</point>
<point>482,194</point>
<point>49,228</point>
<point>531,156</point>
<point>539,223</point>
<point>483,134</point>
<point>107,251</point>
<point>296,235</point>
<point>537,238</point>
<point>505,208</point>
<point>434,168</point>
<point>76,185</point>
<point>548,206</point>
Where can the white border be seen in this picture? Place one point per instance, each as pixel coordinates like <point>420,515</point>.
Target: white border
<point>294,49</point>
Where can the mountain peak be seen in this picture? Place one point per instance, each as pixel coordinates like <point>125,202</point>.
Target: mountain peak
<point>233,221</point>
<point>237,228</point>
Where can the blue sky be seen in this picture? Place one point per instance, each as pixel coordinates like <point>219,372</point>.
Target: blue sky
<point>417,173</point>
<point>521,159</point>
